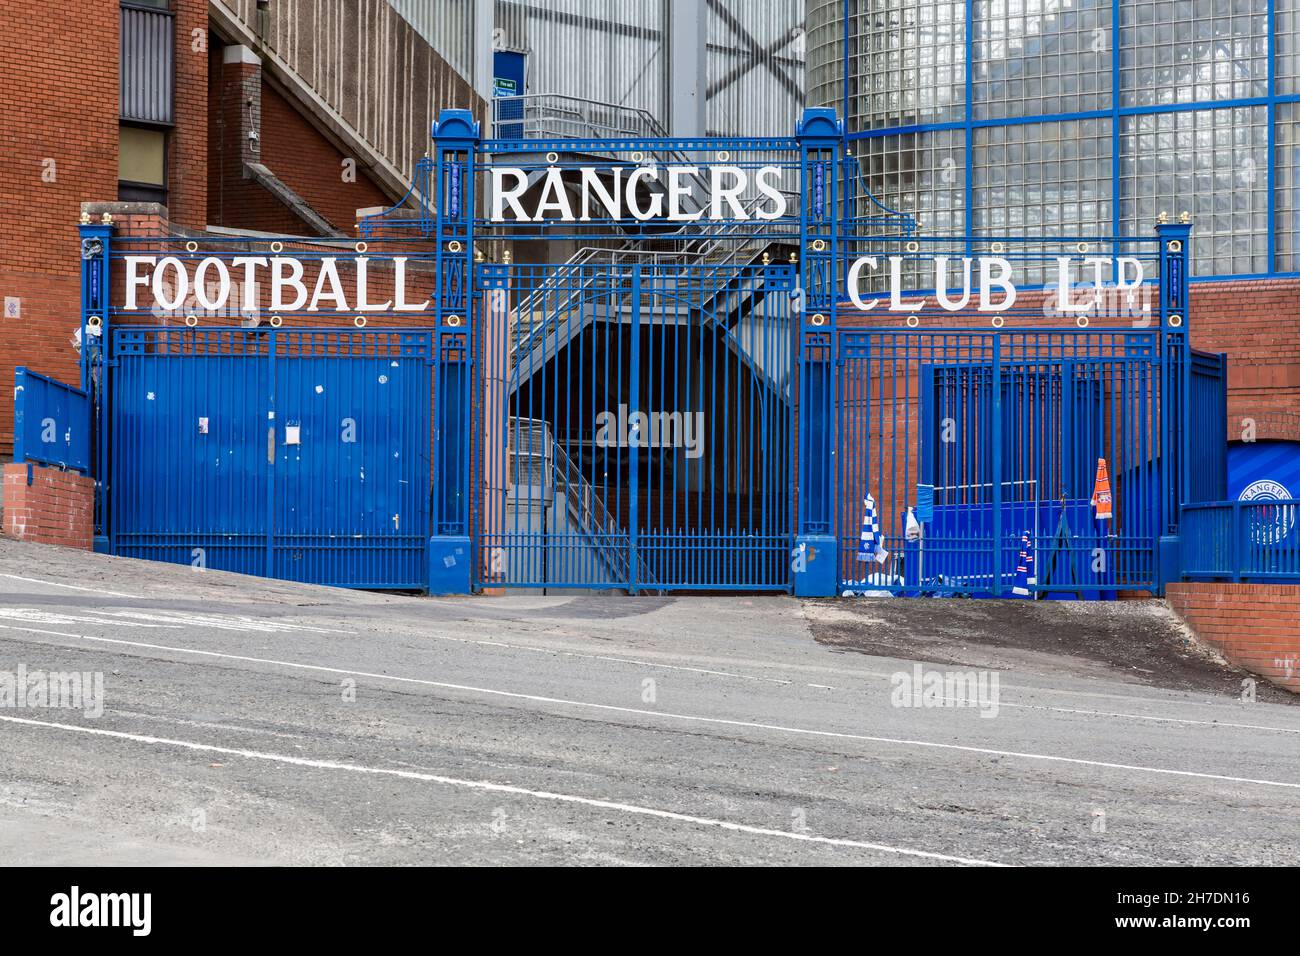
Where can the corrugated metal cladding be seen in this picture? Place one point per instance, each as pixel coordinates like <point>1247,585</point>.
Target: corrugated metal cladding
<point>756,66</point>
<point>146,87</point>
<point>446,25</point>
<point>368,63</point>
<point>616,52</point>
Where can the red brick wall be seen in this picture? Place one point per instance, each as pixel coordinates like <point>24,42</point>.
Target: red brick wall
<point>1255,323</point>
<point>56,508</point>
<point>1256,626</point>
<point>61,106</point>
<point>311,167</point>
<point>288,145</point>
<point>187,151</point>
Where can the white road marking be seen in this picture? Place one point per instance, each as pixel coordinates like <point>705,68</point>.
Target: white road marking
<point>237,622</point>
<point>670,715</point>
<point>208,725</point>
<point>33,615</point>
<point>487,786</point>
<point>73,587</point>
<point>1169,720</point>
<point>176,620</point>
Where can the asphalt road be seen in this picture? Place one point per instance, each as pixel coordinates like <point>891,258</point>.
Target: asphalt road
<point>254,722</point>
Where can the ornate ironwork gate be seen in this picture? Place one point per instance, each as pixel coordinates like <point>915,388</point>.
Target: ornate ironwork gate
<point>664,390</point>
<point>636,421</point>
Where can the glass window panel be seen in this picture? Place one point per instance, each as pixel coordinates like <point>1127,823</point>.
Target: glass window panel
<point>913,54</point>
<point>1286,181</point>
<point>1188,51</point>
<point>922,174</point>
<point>1040,57</point>
<point>1286,27</point>
<point>1209,163</point>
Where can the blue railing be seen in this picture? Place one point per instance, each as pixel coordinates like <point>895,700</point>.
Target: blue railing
<point>1242,540</point>
<point>51,422</point>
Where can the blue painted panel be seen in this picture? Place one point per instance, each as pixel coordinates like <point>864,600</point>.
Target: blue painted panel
<point>1207,446</point>
<point>1253,465</point>
<point>352,503</point>
<point>508,82</point>
<point>189,468</point>
<point>293,454</point>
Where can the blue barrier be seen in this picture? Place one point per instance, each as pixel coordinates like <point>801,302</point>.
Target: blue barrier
<point>51,422</point>
<point>1241,541</point>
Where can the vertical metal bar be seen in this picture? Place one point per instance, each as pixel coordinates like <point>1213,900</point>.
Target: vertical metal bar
<point>633,454</point>
<point>1238,550</point>
<point>967,127</point>
<point>273,338</point>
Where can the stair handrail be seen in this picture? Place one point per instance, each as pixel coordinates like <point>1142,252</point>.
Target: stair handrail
<point>596,521</point>
<point>588,254</point>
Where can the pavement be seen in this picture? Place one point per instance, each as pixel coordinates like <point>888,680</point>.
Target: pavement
<point>248,722</point>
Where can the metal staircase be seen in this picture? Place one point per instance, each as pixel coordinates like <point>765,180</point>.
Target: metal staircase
<point>536,455</point>
<point>554,312</point>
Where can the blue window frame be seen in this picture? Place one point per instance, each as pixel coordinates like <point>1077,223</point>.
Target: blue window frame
<point>1122,108</point>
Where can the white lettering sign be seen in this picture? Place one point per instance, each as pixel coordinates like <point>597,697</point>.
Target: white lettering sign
<point>296,285</point>
<point>988,280</point>
<point>675,193</point>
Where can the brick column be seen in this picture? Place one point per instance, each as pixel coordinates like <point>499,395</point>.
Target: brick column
<point>1253,625</point>
<point>187,161</point>
<point>237,133</point>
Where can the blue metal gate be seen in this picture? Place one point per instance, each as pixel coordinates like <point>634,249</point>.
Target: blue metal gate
<point>297,454</point>
<point>671,394</point>
<point>999,433</point>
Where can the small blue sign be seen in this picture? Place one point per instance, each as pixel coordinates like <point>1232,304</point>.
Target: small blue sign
<point>924,503</point>
<point>453,191</point>
<point>1175,282</point>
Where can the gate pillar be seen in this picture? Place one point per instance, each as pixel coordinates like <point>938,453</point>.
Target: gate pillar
<point>815,559</point>
<point>455,140</point>
<point>1175,427</point>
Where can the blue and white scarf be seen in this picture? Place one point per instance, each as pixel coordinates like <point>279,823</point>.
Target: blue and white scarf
<point>1025,575</point>
<point>871,544</point>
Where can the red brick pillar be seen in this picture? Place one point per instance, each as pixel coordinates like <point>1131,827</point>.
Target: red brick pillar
<point>235,135</point>
<point>1256,626</point>
<point>187,196</point>
<point>54,507</point>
